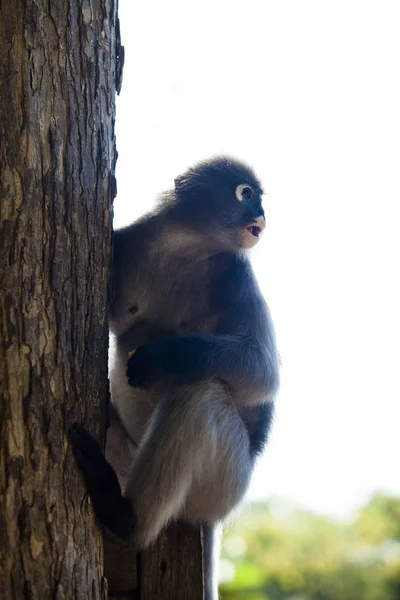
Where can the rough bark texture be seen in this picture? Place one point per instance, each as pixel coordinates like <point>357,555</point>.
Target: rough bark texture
<point>60,65</point>
<point>58,71</point>
<point>171,569</point>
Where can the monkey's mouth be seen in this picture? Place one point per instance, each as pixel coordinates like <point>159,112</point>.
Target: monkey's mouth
<point>254,230</point>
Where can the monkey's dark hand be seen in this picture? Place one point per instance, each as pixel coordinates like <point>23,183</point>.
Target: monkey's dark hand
<point>184,357</point>
<point>146,365</point>
<point>111,508</point>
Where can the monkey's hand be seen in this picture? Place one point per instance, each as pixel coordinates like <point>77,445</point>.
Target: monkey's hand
<point>182,357</point>
<point>146,365</point>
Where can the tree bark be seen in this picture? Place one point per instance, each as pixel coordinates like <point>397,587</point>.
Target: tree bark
<point>173,568</point>
<point>59,69</point>
<point>60,66</point>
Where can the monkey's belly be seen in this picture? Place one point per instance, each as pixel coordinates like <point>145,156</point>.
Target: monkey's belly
<point>134,406</point>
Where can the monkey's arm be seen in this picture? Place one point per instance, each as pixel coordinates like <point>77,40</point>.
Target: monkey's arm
<point>247,367</point>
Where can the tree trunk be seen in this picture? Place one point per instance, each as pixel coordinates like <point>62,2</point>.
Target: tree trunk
<point>173,568</point>
<point>59,66</point>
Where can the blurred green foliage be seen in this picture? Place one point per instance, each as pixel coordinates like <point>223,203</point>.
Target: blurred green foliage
<point>276,551</point>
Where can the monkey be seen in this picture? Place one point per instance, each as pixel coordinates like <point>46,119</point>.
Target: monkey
<point>194,367</point>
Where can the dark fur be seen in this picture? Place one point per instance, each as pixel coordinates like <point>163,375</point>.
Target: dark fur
<point>205,370</point>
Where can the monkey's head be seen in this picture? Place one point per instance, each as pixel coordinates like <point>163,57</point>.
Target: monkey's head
<point>222,197</point>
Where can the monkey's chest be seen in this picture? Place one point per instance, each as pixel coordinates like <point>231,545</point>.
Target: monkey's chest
<point>180,300</point>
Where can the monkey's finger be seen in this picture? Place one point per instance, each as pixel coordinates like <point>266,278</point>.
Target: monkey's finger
<point>139,382</point>
<point>131,353</point>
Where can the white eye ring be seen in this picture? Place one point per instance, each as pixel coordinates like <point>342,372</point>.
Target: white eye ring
<point>239,191</point>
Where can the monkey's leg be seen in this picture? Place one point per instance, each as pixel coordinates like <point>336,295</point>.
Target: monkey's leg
<point>111,508</point>
<point>193,461</point>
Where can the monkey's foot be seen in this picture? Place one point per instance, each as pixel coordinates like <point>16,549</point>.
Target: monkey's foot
<point>111,508</point>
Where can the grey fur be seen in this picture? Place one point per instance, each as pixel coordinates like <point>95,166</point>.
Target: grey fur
<point>181,449</point>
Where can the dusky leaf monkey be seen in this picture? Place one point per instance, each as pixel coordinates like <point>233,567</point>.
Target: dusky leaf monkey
<point>192,406</point>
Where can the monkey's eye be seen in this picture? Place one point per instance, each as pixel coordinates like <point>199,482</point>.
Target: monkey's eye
<point>244,192</point>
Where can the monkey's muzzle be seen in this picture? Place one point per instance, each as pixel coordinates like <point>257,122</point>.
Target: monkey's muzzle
<point>252,231</point>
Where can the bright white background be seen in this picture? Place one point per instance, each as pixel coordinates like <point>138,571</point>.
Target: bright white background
<point>309,94</point>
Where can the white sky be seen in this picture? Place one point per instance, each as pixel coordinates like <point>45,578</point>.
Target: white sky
<point>309,94</point>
